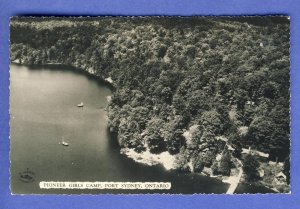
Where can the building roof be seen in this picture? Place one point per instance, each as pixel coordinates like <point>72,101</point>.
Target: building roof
<point>280,174</point>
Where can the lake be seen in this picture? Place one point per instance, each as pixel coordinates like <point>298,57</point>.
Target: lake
<point>43,112</point>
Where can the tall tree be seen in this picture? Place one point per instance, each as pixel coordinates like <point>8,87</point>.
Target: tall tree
<point>225,163</point>
<point>250,167</point>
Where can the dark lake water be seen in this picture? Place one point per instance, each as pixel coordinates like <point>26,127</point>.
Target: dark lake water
<point>43,111</point>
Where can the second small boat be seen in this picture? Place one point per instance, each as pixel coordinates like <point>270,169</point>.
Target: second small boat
<point>80,105</point>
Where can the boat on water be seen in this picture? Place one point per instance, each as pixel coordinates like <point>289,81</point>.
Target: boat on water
<point>64,143</point>
<point>80,104</point>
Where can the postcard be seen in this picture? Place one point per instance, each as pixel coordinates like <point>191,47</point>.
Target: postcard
<point>150,105</point>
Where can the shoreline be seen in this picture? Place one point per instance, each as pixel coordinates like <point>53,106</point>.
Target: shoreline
<point>168,161</point>
<point>108,80</point>
<point>165,159</point>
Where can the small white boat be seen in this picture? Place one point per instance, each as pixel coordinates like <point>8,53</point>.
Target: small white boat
<point>64,143</point>
<point>80,105</point>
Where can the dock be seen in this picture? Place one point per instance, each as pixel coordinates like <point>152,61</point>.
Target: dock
<point>234,182</point>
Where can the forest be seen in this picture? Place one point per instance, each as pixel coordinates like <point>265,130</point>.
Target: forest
<point>226,79</point>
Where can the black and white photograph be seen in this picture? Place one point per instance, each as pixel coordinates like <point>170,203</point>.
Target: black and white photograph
<point>150,105</point>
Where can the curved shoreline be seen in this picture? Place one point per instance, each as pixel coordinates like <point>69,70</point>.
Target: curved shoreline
<point>108,81</point>
<point>165,159</point>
